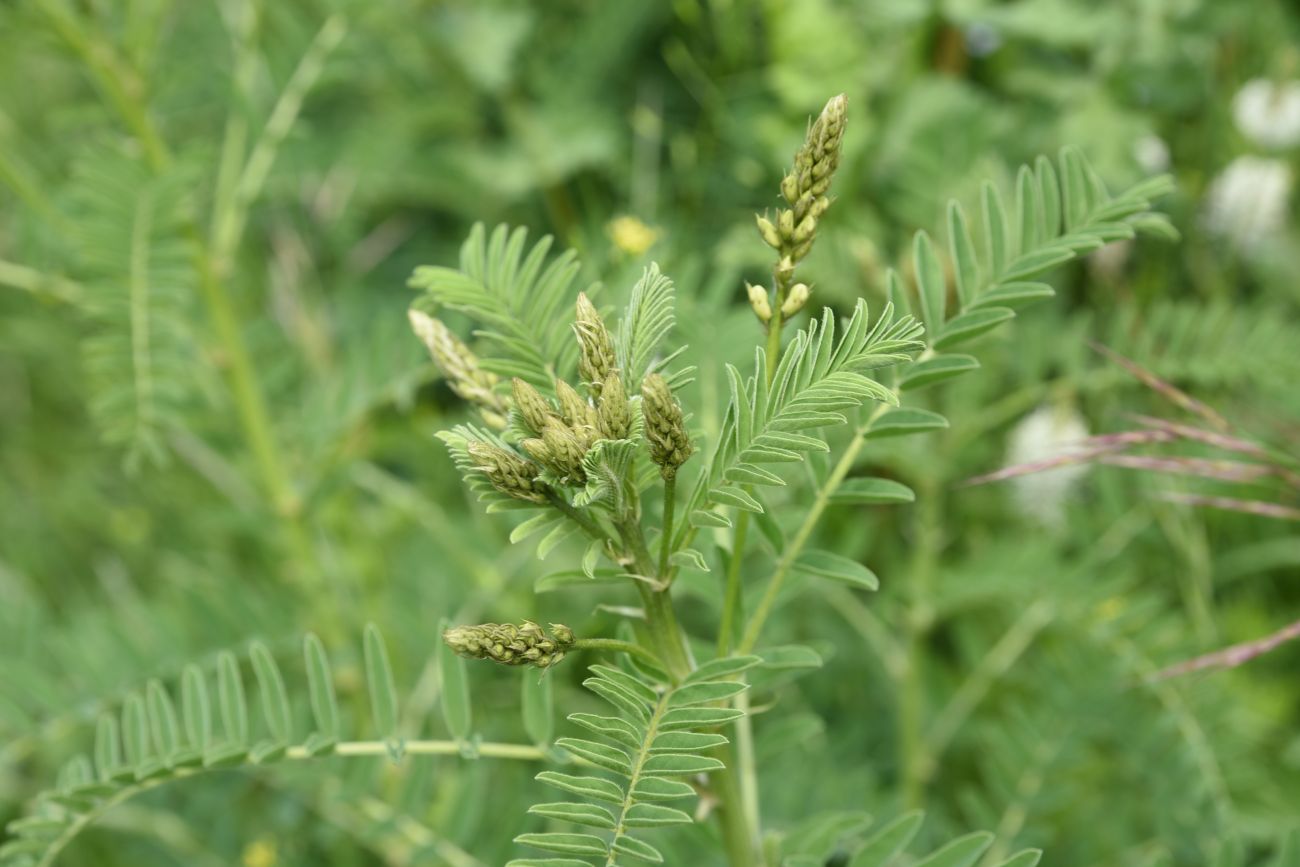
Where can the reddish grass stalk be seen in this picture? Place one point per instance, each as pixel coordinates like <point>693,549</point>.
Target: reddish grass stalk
<point>1211,438</point>
<point>1090,449</point>
<point>1173,394</point>
<point>1233,656</point>
<point>1232,504</point>
<point>1227,471</point>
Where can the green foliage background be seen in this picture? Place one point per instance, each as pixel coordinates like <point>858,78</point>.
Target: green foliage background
<point>154,510</point>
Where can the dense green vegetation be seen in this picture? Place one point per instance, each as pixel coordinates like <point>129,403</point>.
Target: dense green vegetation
<point>229,535</point>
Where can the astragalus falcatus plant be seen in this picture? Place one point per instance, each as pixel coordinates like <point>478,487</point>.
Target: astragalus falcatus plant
<point>583,432</point>
<point>597,445</point>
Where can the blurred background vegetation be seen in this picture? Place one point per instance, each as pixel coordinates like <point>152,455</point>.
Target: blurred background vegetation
<point>215,425</point>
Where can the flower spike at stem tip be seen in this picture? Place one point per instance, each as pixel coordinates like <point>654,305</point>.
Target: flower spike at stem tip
<point>461,367</point>
<point>508,472</point>
<point>508,644</point>
<point>665,428</point>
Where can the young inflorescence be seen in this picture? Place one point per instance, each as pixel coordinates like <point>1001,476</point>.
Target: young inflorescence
<point>508,644</point>
<point>805,189</point>
<point>554,436</point>
<point>461,368</point>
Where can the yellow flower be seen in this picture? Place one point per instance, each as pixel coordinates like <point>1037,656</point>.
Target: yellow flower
<point>260,853</point>
<point>631,235</point>
<point>1109,609</point>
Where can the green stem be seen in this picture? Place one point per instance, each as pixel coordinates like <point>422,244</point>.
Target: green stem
<point>667,635</point>
<point>733,599</point>
<point>588,526</point>
<point>776,323</point>
<point>737,783</point>
<point>634,540</point>
<point>747,772</point>
<point>660,617</point>
<point>250,404</point>
<point>230,219</point>
<point>666,538</point>
<point>121,85</point>
<point>124,92</point>
<point>914,753</point>
<point>618,646</point>
<point>525,752</point>
<point>37,283</point>
<point>739,842</point>
<point>792,551</point>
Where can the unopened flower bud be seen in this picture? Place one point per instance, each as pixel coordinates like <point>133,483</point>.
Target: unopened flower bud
<point>828,132</point>
<point>614,415</point>
<point>795,300</point>
<point>537,450</point>
<point>768,232</point>
<point>561,451</point>
<point>508,472</point>
<point>804,231</point>
<point>577,413</point>
<point>665,429</point>
<point>790,188</point>
<point>784,269</point>
<point>533,409</point>
<point>758,300</point>
<point>785,225</point>
<point>596,356</point>
<point>460,366</point>
<point>563,634</point>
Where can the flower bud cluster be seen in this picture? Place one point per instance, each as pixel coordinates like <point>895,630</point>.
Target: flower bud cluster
<point>558,433</point>
<point>461,368</point>
<point>596,357</point>
<point>665,428</point>
<point>508,472</point>
<point>805,189</point>
<point>508,644</point>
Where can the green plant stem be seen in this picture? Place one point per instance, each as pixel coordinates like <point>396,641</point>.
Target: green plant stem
<point>737,783</point>
<point>617,646</point>
<point>737,838</point>
<point>229,220</point>
<point>666,538</point>
<point>120,84</point>
<point>250,405</point>
<point>662,622</point>
<point>121,88</point>
<point>37,283</point>
<point>734,593</point>
<point>988,671</point>
<point>916,760</point>
<point>657,603</point>
<point>747,771</point>
<point>792,551</point>
<point>588,526</point>
<point>525,752</point>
